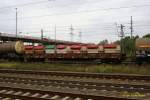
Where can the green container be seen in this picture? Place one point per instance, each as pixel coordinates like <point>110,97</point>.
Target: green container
<point>50,46</point>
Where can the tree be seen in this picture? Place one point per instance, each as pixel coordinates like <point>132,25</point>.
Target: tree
<point>146,36</point>
<point>103,42</point>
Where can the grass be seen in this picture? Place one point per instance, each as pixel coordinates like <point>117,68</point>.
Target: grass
<point>102,68</point>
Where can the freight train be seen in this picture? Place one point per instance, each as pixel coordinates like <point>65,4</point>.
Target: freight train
<point>82,52</point>
<point>87,52</point>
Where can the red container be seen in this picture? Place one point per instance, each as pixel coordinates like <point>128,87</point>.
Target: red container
<point>92,46</point>
<point>39,47</point>
<point>29,47</point>
<point>110,46</point>
<point>61,46</point>
<point>75,47</point>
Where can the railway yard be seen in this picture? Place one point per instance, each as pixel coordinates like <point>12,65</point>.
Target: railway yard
<point>90,71</point>
<point>56,85</point>
<point>106,58</point>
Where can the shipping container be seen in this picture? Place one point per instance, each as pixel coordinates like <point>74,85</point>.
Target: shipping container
<point>29,47</point>
<point>112,51</point>
<point>39,52</point>
<point>63,49</point>
<point>50,47</point>
<point>29,52</point>
<point>110,46</point>
<point>61,46</point>
<point>39,47</point>
<point>92,46</point>
<point>49,51</point>
<point>75,47</point>
<point>101,48</point>
<point>84,49</point>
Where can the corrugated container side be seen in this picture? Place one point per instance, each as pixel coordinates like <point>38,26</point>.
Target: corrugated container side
<point>50,46</point>
<point>64,50</point>
<point>29,52</point>
<point>112,51</point>
<point>92,46</point>
<point>61,46</point>
<point>92,50</point>
<point>29,47</point>
<point>101,48</point>
<point>39,52</point>
<point>39,47</point>
<point>76,51</point>
<point>75,47</point>
<point>84,49</point>
<point>49,51</point>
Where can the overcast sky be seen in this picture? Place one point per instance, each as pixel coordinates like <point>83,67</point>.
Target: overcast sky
<point>95,19</point>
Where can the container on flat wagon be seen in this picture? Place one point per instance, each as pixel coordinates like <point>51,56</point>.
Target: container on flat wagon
<point>112,48</point>
<point>62,49</point>
<point>50,49</point>
<point>29,50</point>
<point>39,47</point>
<point>84,49</point>
<point>101,48</point>
<point>39,52</point>
<point>29,47</point>
<point>92,49</point>
<point>75,48</point>
<point>12,47</point>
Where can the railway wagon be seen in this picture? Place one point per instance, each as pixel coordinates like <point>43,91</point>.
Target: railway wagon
<point>12,50</point>
<point>142,50</point>
<point>101,53</point>
<point>89,52</point>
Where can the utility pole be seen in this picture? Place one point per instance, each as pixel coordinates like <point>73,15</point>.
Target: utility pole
<point>71,33</point>
<point>121,31</point>
<point>80,36</point>
<point>131,27</point>
<point>41,34</point>
<point>122,35</point>
<point>16,21</point>
<point>55,40</point>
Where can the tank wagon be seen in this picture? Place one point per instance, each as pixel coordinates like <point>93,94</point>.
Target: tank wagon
<point>12,50</point>
<point>142,50</point>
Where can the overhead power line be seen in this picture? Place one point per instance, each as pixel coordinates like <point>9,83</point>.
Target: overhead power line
<point>85,11</point>
<point>25,4</point>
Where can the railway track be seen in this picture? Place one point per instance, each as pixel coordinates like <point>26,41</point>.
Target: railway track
<point>14,82</point>
<point>38,94</point>
<point>78,84</point>
<point>79,74</point>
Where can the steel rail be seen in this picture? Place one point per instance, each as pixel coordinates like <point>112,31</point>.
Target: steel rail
<point>44,92</point>
<point>80,74</point>
<point>79,84</point>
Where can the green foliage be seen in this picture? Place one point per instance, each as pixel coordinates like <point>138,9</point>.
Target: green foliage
<point>128,45</point>
<point>103,42</point>
<point>146,36</point>
<point>103,68</point>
